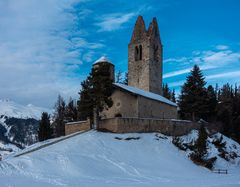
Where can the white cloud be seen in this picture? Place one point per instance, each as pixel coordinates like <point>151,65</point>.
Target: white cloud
<point>176,73</point>
<point>176,84</point>
<point>221,58</point>
<point>232,74</point>
<point>110,22</point>
<point>222,47</point>
<point>37,56</point>
<point>182,59</point>
<point>206,60</point>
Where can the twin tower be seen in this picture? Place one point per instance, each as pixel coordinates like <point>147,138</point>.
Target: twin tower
<point>145,57</point>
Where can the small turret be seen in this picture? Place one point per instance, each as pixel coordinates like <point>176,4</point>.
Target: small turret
<point>105,60</point>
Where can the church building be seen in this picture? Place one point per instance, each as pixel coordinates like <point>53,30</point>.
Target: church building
<point>139,106</point>
<point>142,97</point>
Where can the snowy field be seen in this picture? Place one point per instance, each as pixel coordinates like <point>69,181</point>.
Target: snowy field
<point>98,159</point>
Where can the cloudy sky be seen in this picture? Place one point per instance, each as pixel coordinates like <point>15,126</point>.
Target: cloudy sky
<point>47,47</point>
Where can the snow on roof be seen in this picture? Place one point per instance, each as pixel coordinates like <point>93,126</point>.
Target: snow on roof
<point>144,93</point>
<point>102,59</point>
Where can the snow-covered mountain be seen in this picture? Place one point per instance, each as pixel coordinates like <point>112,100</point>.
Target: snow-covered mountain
<point>11,109</point>
<point>105,159</point>
<point>18,125</point>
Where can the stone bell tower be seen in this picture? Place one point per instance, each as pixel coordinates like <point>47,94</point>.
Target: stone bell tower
<point>145,57</point>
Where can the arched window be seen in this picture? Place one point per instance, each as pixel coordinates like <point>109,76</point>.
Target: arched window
<point>140,52</point>
<point>118,115</point>
<point>136,53</point>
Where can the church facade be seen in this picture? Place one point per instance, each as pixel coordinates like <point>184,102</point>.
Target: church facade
<point>142,97</point>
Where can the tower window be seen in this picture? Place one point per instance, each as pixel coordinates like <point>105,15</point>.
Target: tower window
<point>136,53</point>
<point>140,52</point>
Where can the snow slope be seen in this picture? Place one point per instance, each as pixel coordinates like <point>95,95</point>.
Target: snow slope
<point>98,159</point>
<point>11,109</point>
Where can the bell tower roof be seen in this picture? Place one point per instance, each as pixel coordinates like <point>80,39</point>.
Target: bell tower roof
<point>139,31</point>
<point>153,31</point>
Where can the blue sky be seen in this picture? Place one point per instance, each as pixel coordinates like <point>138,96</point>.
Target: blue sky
<point>47,47</point>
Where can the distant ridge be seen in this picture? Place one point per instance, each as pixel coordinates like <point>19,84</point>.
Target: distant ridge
<point>11,109</point>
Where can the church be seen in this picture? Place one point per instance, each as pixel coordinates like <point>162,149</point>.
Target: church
<point>139,106</point>
<point>142,97</point>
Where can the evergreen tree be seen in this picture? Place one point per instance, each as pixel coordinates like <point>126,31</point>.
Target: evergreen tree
<point>126,79</point>
<point>228,111</point>
<point>118,77</point>
<point>71,111</point>
<point>59,117</point>
<point>96,92</point>
<point>192,100</point>
<point>166,91</point>
<point>200,146</point>
<point>85,103</point>
<point>101,89</point>
<point>201,143</point>
<point>225,108</point>
<point>173,97</point>
<point>45,130</point>
<point>211,102</point>
<point>236,128</point>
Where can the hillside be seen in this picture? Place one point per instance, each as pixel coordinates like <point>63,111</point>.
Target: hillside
<point>105,159</point>
<point>18,125</point>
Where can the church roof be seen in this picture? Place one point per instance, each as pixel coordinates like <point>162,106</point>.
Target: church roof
<point>150,95</point>
<point>102,59</point>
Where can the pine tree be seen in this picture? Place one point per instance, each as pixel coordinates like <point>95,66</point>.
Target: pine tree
<point>192,100</point>
<point>173,97</point>
<point>201,142</point>
<point>95,93</point>
<point>71,111</point>
<point>101,89</point>
<point>200,146</point>
<point>85,103</point>
<point>59,117</point>
<point>126,79</point>
<point>211,102</point>
<point>228,110</point>
<point>45,130</point>
<point>166,91</point>
<point>225,108</point>
<point>118,77</point>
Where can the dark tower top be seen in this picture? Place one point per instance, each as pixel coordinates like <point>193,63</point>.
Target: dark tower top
<point>105,60</point>
<point>145,57</point>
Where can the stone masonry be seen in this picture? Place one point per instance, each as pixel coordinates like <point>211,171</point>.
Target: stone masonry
<point>72,127</point>
<point>168,127</point>
<point>145,57</point>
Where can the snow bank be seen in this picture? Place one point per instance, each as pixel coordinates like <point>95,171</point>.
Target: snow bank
<point>105,159</point>
<point>231,148</point>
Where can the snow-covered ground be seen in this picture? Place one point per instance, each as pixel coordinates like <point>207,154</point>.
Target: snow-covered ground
<point>11,109</point>
<point>6,149</point>
<point>98,159</point>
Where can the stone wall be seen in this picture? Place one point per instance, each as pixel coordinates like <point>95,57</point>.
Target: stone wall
<point>148,108</point>
<point>124,104</point>
<point>77,126</point>
<point>133,125</point>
